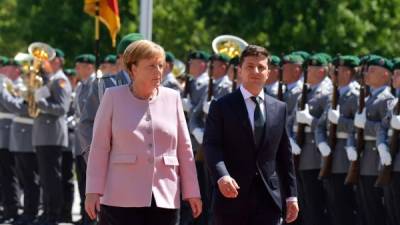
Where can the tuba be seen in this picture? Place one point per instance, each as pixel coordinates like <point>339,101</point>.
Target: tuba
<point>40,52</point>
<point>179,68</point>
<point>229,45</point>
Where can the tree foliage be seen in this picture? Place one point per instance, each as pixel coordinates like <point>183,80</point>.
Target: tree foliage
<point>340,26</point>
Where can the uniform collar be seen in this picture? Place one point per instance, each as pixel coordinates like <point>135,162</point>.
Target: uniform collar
<point>293,84</point>
<point>219,80</point>
<point>343,90</point>
<point>202,76</point>
<point>56,75</point>
<point>377,91</point>
<point>168,76</point>
<point>273,85</point>
<point>85,82</point>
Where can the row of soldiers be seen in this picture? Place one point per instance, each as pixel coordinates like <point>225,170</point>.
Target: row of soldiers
<point>349,94</point>
<point>343,121</point>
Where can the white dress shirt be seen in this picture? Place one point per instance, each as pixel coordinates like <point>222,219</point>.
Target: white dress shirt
<point>251,105</point>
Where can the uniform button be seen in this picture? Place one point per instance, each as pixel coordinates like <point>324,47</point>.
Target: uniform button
<point>22,130</point>
<point>312,142</point>
<point>47,121</point>
<point>148,152</point>
<point>150,145</point>
<point>148,118</point>
<point>150,160</point>
<point>6,126</point>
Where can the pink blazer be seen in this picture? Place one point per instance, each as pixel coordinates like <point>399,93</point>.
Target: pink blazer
<point>140,148</point>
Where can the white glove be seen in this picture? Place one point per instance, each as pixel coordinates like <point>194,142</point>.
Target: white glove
<point>198,135</point>
<point>42,93</point>
<point>395,122</point>
<point>206,107</point>
<point>360,119</point>
<point>296,150</point>
<point>333,115</point>
<point>187,106</point>
<point>351,153</point>
<point>384,155</point>
<point>324,149</point>
<point>304,116</point>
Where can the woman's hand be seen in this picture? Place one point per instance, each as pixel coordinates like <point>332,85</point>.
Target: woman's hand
<point>196,205</point>
<point>92,204</point>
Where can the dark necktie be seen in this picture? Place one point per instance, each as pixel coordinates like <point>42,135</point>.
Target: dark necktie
<point>259,121</point>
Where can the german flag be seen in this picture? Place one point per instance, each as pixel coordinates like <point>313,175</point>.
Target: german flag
<point>108,14</point>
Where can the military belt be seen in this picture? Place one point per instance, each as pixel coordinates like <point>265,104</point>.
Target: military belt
<point>342,135</point>
<point>23,120</point>
<point>6,115</point>
<point>369,138</point>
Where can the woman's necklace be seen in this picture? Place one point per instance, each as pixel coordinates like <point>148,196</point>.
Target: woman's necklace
<point>132,89</point>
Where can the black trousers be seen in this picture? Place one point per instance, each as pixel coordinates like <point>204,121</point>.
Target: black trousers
<point>259,210</point>
<point>111,215</point>
<point>49,164</point>
<point>26,165</point>
<point>67,178</point>
<point>80,167</point>
<point>9,183</point>
<point>340,200</point>
<point>371,201</point>
<point>314,197</point>
<point>392,199</point>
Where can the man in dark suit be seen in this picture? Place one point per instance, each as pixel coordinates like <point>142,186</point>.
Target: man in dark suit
<point>248,151</point>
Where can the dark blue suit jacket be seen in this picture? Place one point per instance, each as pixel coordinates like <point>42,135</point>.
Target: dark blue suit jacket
<point>230,150</point>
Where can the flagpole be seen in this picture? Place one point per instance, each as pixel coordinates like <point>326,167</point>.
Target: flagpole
<point>146,18</point>
<point>97,35</point>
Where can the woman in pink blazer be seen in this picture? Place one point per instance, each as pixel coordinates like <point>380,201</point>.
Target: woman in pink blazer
<point>141,160</point>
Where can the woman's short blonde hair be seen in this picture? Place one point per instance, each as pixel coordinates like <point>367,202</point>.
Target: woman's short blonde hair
<point>142,49</point>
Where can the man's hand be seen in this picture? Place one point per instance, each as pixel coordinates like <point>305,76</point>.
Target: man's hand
<point>296,150</point>
<point>92,205</point>
<point>351,153</point>
<point>334,115</point>
<point>304,116</point>
<point>292,210</point>
<point>360,119</point>
<point>228,187</point>
<point>196,205</point>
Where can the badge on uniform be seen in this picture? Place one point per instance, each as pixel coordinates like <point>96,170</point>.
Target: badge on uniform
<point>62,83</point>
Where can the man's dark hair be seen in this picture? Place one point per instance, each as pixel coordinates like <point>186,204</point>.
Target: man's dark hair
<point>254,50</point>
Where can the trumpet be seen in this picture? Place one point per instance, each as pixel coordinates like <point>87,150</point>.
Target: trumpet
<point>40,52</point>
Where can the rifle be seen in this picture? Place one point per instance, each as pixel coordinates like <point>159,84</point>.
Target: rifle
<point>353,173</point>
<point>280,84</point>
<point>302,105</point>
<point>326,168</point>
<point>385,174</point>
<point>235,74</point>
<point>186,91</point>
<point>200,154</point>
<point>210,81</point>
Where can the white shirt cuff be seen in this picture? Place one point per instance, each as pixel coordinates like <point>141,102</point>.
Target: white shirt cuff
<point>221,178</point>
<point>291,199</point>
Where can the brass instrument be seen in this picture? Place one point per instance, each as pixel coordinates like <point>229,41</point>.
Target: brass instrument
<point>40,53</point>
<point>229,45</point>
<point>8,85</point>
<point>179,68</point>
